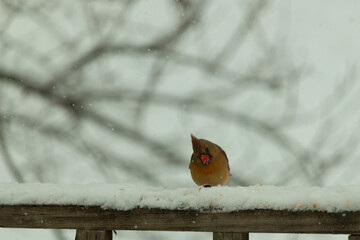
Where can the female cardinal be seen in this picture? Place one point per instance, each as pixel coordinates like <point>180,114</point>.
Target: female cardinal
<point>209,165</point>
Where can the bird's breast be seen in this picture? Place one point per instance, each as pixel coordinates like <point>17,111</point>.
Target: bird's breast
<point>215,173</point>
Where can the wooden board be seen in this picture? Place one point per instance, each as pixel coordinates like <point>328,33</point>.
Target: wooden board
<point>270,221</point>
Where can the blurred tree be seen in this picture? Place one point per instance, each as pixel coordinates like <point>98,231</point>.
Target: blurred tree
<point>85,79</point>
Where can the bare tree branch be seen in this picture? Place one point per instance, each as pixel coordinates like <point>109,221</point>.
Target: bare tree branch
<point>8,160</point>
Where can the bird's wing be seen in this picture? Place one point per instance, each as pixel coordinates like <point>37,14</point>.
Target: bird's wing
<point>191,159</point>
<point>226,159</point>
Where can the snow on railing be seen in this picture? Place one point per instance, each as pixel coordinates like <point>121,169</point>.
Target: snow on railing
<point>229,212</point>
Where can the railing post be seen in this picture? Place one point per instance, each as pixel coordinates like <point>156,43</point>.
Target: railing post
<point>93,235</point>
<point>230,236</point>
<point>354,237</point>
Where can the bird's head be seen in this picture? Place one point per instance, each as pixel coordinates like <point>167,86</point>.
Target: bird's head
<point>201,150</point>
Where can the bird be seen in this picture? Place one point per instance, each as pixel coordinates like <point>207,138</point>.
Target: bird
<point>209,165</point>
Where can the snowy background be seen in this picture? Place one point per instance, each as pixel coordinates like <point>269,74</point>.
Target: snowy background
<point>109,92</point>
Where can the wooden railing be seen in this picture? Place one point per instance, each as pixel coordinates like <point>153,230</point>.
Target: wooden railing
<point>97,223</point>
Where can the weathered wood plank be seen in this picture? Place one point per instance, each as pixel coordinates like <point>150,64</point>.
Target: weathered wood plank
<point>93,235</point>
<point>230,236</point>
<point>271,221</point>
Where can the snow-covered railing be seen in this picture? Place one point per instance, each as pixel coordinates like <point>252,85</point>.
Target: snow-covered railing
<point>228,212</point>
